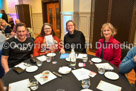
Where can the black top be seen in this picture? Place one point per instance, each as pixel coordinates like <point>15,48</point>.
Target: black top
<point>17,51</point>
<point>5,17</point>
<point>12,24</point>
<point>7,29</point>
<point>77,39</point>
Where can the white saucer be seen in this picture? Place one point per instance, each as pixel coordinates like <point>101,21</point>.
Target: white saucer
<point>86,90</point>
<point>111,75</point>
<point>96,60</point>
<point>64,70</point>
<point>51,54</point>
<point>31,69</point>
<point>68,59</point>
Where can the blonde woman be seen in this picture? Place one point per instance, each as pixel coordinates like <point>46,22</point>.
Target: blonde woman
<point>5,27</point>
<point>108,47</point>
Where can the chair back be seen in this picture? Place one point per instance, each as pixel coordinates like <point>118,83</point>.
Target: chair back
<point>124,52</point>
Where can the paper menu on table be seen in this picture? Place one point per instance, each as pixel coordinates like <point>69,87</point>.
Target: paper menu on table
<point>83,73</point>
<point>15,86</point>
<point>41,80</point>
<point>49,40</point>
<point>105,86</point>
<point>21,65</point>
<point>107,66</point>
<point>81,55</point>
<point>42,58</point>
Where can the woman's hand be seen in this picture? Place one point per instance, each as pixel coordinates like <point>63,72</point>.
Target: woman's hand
<point>62,51</point>
<point>135,59</point>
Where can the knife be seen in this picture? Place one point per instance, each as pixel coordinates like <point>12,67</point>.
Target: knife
<point>57,74</point>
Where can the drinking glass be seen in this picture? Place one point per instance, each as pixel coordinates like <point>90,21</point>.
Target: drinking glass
<point>33,85</point>
<point>48,59</point>
<point>85,59</point>
<point>101,70</point>
<point>85,83</point>
<point>39,63</point>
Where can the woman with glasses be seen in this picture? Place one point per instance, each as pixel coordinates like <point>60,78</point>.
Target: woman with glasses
<point>74,37</point>
<point>108,47</point>
<point>43,45</point>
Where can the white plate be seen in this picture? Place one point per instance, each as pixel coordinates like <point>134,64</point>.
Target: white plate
<point>96,60</point>
<point>86,90</point>
<point>68,59</point>
<point>51,54</point>
<point>31,69</point>
<point>64,70</point>
<point>111,75</point>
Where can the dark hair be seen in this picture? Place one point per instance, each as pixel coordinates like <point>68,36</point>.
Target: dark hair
<point>20,25</point>
<point>3,11</point>
<point>42,30</point>
<point>73,24</point>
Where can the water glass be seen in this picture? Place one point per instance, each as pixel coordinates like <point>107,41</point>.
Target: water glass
<point>85,59</point>
<point>85,83</point>
<point>101,70</point>
<point>48,59</point>
<point>33,85</point>
<point>39,63</point>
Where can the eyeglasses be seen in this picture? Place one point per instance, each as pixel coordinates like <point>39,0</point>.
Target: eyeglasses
<point>70,25</point>
<point>47,28</point>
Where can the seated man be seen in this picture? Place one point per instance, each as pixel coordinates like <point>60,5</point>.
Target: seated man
<point>17,48</point>
<point>129,62</point>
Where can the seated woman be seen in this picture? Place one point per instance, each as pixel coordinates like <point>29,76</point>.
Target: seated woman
<point>41,46</point>
<point>5,27</point>
<point>108,47</point>
<point>74,37</point>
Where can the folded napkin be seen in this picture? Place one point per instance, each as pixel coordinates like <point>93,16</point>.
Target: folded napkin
<point>64,56</point>
<point>22,65</point>
<point>81,56</point>
<point>23,84</point>
<point>105,86</point>
<point>42,58</point>
<point>107,66</point>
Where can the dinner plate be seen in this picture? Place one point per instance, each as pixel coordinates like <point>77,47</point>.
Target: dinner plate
<point>51,54</point>
<point>64,70</point>
<point>96,60</point>
<point>31,69</point>
<point>111,75</point>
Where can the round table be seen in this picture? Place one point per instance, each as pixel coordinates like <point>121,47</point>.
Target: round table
<point>68,82</point>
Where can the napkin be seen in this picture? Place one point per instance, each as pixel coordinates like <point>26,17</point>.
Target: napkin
<point>42,58</point>
<point>64,56</point>
<point>80,56</point>
<point>105,86</point>
<point>107,66</point>
<point>21,65</point>
<point>18,85</point>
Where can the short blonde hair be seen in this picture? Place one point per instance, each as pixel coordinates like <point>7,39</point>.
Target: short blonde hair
<point>110,26</point>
